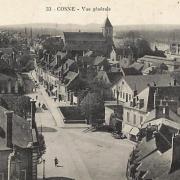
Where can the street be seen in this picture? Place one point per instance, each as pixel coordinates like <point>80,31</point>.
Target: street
<point>82,154</point>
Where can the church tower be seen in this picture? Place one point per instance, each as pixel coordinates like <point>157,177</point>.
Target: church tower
<point>107,29</point>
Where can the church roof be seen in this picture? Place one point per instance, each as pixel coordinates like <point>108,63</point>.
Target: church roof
<point>107,23</point>
<point>83,36</point>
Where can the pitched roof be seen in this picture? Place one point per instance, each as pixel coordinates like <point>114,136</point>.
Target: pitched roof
<point>84,36</point>
<point>140,82</point>
<point>70,77</point>
<point>157,60</point>
<point>98,60</point>
<point>114,76</point>
<point>137,66</point>
<point>89,53</point>
<point>107,23</point>
<point>85,41</point>
<point>173,118</point>
<point>21,132</point>
<point>150,159</point>
<point>130,71</point>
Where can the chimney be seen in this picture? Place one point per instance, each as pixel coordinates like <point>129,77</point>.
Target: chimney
<point>166,108</point>
<point>149,132</point>
<point>135,93</point>
<point>162,110</point>
<point>9,116</point>
<point>33,110</point>
<point>175,163</point>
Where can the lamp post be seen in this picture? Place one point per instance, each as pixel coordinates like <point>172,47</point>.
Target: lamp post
<point>44,169</point>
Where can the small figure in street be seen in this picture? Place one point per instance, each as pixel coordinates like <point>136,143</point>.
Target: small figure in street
<point>36,97</point>
<point>56,161</point>
<point>39,104</point>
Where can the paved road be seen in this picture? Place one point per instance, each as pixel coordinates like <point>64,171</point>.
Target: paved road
<point>82,155</point>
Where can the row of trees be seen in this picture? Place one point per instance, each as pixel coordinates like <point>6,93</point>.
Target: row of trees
<point>139,45</point>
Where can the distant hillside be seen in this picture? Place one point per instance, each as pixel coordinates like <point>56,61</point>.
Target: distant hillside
<point>162,33</point>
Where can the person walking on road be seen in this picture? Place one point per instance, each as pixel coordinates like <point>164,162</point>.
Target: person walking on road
<point>56,161</point>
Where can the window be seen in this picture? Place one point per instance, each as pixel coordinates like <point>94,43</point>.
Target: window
<point>114,92</point>
<point>134,119</point>
<point>126,97</point>
<point>129,97</point>
<point>128,116</point>
<point>1,176</point>
<point>123,95</point>
<point>141,119</point>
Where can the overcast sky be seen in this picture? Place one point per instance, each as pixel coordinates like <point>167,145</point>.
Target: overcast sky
<point>123,12</point>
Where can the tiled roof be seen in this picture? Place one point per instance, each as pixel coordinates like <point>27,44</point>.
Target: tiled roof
<point>140,82</point>
<point>21,132</point>
<point>85,41</point>
<point>84,36</point>
<point>154,156</point>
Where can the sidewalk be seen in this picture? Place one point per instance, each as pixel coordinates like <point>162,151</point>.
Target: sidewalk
<point>53,108</point>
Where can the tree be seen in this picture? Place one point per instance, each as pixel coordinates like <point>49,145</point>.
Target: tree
<point>26,62</point>
<point>142,48</point>
<point>92,107</point>
<point>19,104</point>
<point>42,145</point>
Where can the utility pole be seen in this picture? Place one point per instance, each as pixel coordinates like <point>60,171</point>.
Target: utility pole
<point>44,169</point>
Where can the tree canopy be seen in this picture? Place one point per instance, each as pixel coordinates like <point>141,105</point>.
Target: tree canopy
<point>19,104</point>
<point>92,107</point>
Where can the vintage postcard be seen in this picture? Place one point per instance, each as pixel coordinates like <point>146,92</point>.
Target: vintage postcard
<point>90,90</point>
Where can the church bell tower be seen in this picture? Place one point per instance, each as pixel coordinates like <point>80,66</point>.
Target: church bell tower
<point>107,29</point>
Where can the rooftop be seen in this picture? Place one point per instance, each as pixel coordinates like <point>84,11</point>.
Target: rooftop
<point>140,82</point>
<point>21,132</point>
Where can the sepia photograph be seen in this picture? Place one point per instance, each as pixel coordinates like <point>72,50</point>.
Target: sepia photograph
<point>90,90</point>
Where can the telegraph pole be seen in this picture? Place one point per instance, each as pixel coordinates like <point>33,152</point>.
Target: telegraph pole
<point>44,169</point>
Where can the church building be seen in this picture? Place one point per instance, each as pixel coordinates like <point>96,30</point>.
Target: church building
<point>78,43</point>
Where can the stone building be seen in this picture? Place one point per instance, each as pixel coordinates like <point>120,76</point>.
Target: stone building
<point>78,43</point>
<point>18,146</point>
